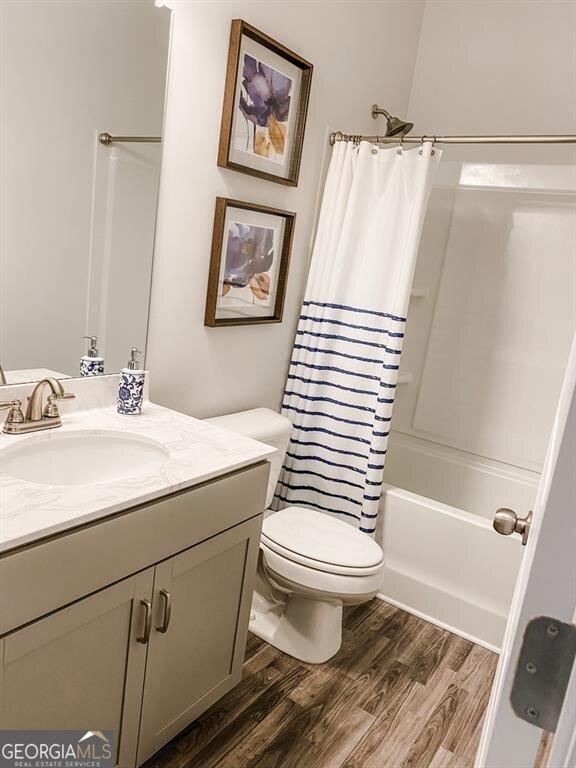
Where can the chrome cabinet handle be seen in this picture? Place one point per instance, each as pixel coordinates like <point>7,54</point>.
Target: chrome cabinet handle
<point>147,621</point>
<point>167,611</point>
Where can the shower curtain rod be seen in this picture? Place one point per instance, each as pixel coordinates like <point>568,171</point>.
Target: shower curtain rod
<point>106,138</point>
<point>550,139</point>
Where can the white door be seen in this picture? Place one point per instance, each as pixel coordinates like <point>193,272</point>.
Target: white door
<point>546,587</point>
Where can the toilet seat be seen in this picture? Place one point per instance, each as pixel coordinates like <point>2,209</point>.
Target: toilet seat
<point>303,579</point>
<point>320,542</point>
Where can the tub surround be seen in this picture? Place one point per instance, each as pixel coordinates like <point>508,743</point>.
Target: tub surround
<point>197,451</point>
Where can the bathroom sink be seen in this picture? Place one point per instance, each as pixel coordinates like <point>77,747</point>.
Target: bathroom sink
<point>82,457</point>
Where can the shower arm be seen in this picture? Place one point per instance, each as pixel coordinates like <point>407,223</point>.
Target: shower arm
<point>376,110</point>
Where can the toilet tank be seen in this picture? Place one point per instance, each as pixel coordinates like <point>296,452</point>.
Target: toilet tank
<point>268,427</point>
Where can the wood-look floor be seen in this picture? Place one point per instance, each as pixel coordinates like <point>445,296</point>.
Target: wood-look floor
<point>400,693</point>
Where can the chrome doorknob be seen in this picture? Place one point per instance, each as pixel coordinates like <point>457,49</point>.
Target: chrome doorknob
<point>506,522</point>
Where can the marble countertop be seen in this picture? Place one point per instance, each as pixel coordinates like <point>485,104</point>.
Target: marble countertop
<point>197,451</point>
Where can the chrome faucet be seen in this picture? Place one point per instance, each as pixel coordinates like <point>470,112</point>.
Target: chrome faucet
<point>37,415</point>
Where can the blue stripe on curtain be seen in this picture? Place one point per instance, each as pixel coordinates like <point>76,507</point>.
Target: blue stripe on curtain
<point>324,477</point>
<point>351,325</point>
<point>324,383</point>
<point>312,443</point>
<point>339,419</point>
<point>353,309</point>
<point>307,503</point>
<point>330,400</point>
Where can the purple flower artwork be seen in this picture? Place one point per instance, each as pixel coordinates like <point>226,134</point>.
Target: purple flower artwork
<point>265,99</point>
<point>249,257</point>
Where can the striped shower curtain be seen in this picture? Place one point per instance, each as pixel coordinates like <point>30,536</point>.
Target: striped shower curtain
<point>343,372</point>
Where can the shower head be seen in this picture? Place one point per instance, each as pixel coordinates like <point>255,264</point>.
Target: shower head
<point>397,127</point>
<point>394,126</point>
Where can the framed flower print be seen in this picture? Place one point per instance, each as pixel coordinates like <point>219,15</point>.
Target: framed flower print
<point>265,105</point>
<point>249,263</point>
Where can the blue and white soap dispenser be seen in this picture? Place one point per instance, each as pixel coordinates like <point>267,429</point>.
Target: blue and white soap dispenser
<point>91,364</point>
<point>131,389</point>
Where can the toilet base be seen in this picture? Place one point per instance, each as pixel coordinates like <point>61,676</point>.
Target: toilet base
<point>308,629</point>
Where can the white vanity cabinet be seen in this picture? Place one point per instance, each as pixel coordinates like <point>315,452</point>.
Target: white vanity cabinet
<point>135,624</point>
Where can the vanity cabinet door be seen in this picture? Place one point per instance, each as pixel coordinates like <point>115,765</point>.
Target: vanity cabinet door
<point>80,667</point>
<point>201,609</point>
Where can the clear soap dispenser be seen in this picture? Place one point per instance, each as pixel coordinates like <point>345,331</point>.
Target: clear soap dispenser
<point>131,389</point>
<point>91,364</point>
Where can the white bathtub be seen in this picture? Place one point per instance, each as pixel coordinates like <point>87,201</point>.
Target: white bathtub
<point>444,562</point>
<point>447,566</point>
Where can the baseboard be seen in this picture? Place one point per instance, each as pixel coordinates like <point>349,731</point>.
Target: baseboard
<point>446,611</point>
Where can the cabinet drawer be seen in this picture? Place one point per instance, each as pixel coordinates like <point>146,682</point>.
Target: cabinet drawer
<point>45,576</point>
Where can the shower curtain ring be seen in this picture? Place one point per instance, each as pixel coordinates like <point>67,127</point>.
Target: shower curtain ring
<point>433,144</point>
<point>420,151</point>
<point>399,152</point>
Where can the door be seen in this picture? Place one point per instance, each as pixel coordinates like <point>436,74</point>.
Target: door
<point>201,609</point>
<point>80,667</point>
<point>546,586</point>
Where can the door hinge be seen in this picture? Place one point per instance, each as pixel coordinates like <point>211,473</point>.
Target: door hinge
<point>544,668</point>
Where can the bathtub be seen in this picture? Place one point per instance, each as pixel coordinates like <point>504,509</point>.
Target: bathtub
<point>445,563</point>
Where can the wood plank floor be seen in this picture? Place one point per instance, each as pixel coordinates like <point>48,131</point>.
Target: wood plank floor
<point>400,693</point>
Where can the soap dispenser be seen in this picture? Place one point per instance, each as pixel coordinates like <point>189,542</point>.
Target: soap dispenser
<point>131,389</point>
<point>91,364</point>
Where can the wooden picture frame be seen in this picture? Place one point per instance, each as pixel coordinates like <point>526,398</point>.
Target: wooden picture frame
<point>249,262</point>
<point>263,139</point>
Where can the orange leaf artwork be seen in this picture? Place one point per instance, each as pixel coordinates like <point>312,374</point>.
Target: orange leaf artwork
<point>277,133</point>
<point>262,145</point>
<point>260,285</point>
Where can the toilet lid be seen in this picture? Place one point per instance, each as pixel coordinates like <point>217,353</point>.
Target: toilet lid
<point>317,536</point>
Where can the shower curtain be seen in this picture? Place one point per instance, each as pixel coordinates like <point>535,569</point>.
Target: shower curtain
<point>343,372</point>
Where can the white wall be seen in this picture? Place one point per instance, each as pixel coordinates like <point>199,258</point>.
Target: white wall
<point>488,346</point>
<point>496,66</point>
<point>69,70</point>
<point>362,52</point>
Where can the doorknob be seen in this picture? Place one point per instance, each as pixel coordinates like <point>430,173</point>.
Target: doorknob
<point>506,521</point>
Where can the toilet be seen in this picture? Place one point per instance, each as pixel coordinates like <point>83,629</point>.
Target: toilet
<point>310,564</point>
